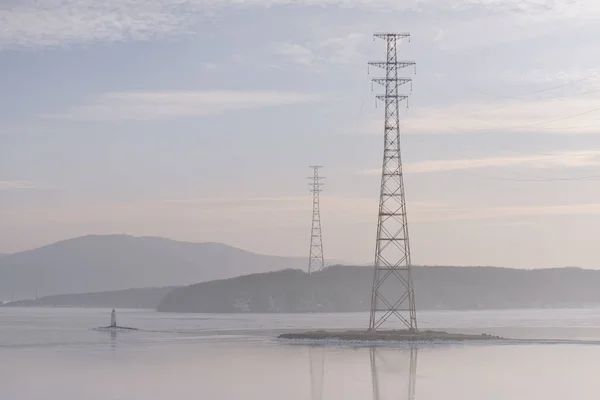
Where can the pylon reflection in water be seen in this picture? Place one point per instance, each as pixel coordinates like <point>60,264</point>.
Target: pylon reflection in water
<point>388,367</point>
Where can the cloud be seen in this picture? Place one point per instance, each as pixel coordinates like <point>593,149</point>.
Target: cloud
<point>553,9</point>
<point>240,201</point>
<point>572,115</point>
<point>295,53</point>
<point>577,115</point>
<point>292,210</point>
<point>14,185</point>
<point>59,22</point>
<point>565,160</point>
<point>571,77</point>
<point>501,212</point>
<point>284,211</point>
<point>273,212</point>
<point>161,105</point>
<point>210,66</point>
<point>64,22</point>
<point>333,50</point>
<point>571,159</point>
<point>343,49</point>
<point>441,211</point>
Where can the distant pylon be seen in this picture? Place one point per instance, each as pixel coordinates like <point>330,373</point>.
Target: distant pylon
<point>315,259</point>
<point>392,293</point>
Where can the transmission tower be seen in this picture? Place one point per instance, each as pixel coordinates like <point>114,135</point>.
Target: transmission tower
<point>315,259</point>
<point>393,293</point>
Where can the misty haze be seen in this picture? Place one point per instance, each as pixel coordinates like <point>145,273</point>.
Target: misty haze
<point>324,200</point>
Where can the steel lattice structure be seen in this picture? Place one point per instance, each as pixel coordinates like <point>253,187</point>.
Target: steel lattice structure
<point>315,259</point>
<point>393,293</point>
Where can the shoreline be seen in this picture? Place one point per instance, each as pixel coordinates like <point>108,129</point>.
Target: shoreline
<point>388,336</point>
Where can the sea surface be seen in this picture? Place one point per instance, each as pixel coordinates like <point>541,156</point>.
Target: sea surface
<point>57,354</point>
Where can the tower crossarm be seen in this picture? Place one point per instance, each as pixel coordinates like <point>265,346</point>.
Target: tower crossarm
<point>399,81</point>
<point>392,64</point>
<point>391,96</point>
<point>391,35</point>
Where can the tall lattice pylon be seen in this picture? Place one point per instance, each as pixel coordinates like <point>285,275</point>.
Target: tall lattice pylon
<point>316,261</point>
<point>393,293</point>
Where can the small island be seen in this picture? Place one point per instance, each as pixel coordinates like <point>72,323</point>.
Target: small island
<point>389,336</point>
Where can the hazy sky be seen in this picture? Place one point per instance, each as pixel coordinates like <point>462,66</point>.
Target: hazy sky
<point>197,120</point>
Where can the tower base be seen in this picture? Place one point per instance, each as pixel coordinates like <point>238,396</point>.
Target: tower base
<point>389,336</point>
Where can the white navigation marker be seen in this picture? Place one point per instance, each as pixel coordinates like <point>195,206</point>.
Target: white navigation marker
<point>113,324</point>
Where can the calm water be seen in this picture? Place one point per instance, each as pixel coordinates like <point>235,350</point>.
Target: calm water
<point>54,354</point>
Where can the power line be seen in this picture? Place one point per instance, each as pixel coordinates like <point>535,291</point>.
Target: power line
<point>555,119</point>
<point>543,157</point>
<point>514,127</point>
<point>524,95</point>
<point>540,179</point>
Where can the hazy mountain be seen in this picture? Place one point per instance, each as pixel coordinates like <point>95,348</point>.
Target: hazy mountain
<point>146,298</point>
<point>118,262</point>
<point>345,289</point>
